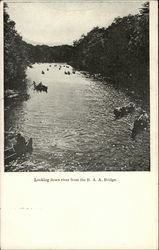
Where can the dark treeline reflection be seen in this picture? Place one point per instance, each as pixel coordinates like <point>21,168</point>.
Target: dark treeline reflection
<point>45,53</point>
<point>119,52</point>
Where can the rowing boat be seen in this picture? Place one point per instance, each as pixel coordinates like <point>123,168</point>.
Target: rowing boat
<point>10,154</point>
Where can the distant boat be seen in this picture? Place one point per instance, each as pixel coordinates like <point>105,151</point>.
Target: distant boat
<point>67,72</point>
<point>42,72</point>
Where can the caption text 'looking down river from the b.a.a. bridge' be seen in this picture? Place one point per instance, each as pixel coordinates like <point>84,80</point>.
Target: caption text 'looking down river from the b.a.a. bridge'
<point>73,125</point>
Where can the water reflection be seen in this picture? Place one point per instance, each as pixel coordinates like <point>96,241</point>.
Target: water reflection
<point>72,125</point>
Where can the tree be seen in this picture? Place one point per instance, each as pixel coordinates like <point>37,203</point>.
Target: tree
<point>15,55</point>
<point>120,51</point>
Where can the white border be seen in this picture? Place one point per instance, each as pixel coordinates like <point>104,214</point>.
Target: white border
<point>108,215</point>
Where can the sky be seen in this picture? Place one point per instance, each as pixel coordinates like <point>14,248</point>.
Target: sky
<point>61,22</point>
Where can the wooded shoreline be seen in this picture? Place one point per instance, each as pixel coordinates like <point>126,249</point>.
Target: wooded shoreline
<point>119,53</point>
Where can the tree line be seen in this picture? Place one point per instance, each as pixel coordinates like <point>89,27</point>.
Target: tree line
<point>48,54</point>
<point>18,55</point>
<point>120,52</point>
<point>15,55</point>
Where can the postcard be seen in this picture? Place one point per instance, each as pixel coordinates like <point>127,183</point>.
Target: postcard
<point>79,162</point>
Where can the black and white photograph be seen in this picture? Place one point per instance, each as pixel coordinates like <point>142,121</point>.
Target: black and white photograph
<point>76,86</point>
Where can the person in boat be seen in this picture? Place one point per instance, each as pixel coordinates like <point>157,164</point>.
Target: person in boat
<point>40,85</point>
<point>130,107</point>
<point>30,145</point>
<point>140,124</point>
<point>20,146</point>
<point>125,110</point>
<point>119,112</point>
<point>34,83</point>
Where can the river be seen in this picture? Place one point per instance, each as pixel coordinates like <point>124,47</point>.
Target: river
<point>73,126</point>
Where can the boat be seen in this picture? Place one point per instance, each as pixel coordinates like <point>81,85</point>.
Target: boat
<point>10,154</point>
<point>40,87</point>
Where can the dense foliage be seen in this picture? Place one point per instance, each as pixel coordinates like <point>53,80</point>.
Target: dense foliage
<point>19,54</point>
<point>45,53</point>
<point>120,51</point>
<point>15,55</point>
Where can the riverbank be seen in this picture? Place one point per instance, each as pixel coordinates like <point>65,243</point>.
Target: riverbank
<point>120,53</point>
<point>73,125</point>
<point>135,94</point>
<point>11,95</point>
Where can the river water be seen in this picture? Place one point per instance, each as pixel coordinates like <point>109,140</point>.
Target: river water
<point>73,126</point>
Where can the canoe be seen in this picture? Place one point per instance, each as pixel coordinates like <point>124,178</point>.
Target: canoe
<point>10,154</point>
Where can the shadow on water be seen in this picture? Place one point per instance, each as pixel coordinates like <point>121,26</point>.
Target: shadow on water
<point>14,102</point>
<point>73,126</point>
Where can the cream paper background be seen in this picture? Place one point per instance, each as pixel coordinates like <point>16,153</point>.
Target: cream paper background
<point>84,215</point>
